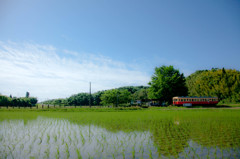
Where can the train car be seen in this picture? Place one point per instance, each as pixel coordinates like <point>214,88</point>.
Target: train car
<point>189,101</point>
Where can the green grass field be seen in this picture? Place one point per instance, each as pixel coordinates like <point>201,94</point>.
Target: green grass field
<point>121,132</point>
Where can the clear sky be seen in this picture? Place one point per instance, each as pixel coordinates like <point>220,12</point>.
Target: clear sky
<point>54,48</point>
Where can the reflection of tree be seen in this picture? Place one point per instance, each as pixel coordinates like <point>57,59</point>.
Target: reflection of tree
<point>221,133</point>
<point>213,128</point>
<point>170,137</point>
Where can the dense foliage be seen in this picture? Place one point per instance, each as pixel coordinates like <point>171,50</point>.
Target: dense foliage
<point>115,97</point>
<point>223,83</point>
<point>21,102</point>
<point>166,83</point>
<point>121,95</point>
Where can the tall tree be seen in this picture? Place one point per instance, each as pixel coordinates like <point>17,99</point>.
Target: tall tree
<point>223,83</point>
<point>166,83</point>
<point>115,97</point>
<point>27,94</point>
<point>141,94</point>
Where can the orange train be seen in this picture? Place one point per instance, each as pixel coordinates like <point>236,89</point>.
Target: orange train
<point>189,101</point>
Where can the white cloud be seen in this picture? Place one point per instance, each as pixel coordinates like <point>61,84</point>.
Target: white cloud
<point>47,72</point>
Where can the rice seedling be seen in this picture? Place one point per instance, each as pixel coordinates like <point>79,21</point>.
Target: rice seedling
<point>78,154</point>
<point>67,150</point>
<point>48,138</point>
<point>55,138</point>
<point>57,155</point>
<point>47,153</point>
<point>133,151</point>
<point>147,134</point>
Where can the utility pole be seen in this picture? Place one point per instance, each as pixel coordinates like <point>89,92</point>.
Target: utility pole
<point>90,96</point>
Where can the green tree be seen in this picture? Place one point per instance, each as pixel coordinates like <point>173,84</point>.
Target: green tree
<point>166,83</point>
<point>4,100</point>
<point>141,94</point>
<point>27,94</point>
<point>79,99</point>
<point>96,100</point>
<point>223,83</point>
<point>33,101</point>
<point>57,102</point>
<point>115,97</point>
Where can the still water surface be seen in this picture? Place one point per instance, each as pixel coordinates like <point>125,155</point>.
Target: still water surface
<point>60,138</point>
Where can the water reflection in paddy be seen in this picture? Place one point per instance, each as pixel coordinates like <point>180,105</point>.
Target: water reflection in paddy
<point>59,138</point>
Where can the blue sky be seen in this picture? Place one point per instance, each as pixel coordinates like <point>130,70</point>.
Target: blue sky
<point>53,48</point>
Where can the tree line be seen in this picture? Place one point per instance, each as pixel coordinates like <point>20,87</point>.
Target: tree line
<point>221,83</point>
<point>17,102</point>
<point>113,97</point>
<point>166,82</point>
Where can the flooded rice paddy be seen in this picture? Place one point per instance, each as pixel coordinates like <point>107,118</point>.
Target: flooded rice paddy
<point>122,135</point>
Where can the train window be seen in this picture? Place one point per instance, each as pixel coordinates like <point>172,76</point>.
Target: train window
<point>184,100</point>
